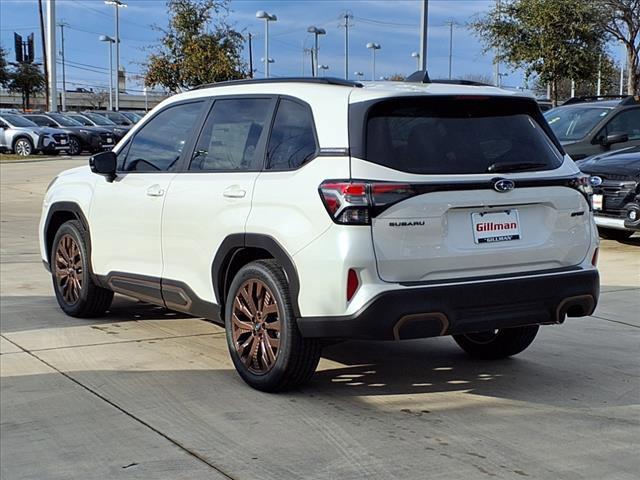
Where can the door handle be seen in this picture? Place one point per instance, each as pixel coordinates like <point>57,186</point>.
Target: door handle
<point>234,191</point>
<point>155,191</point>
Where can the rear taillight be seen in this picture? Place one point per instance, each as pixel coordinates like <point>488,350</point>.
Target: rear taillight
<point>354,203</point>
<point>582,183</point>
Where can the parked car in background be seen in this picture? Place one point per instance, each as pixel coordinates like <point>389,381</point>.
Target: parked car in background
<point>116,117</point>
<point>133,116</point>
<point>591,125</point>
<point>94,120</point>
<point>615,178</point>
<point>23,137</point>
<point>81,138</point>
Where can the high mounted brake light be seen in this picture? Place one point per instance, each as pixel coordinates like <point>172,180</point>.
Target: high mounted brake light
<point>354,202</point>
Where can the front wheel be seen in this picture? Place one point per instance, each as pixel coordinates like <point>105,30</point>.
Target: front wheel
<point>495,344</point>
<point>614,234</point>
<point>262,334</point>
<point>23,147</point>
<point>77,294</point>
<point>74,146</point>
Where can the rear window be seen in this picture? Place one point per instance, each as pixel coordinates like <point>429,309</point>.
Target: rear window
<point>455,135</point>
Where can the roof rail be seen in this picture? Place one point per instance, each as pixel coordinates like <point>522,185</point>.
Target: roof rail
<point>252,81</point>
<point>461,82</point>
<point>419,76</point>
<point>596,98</point>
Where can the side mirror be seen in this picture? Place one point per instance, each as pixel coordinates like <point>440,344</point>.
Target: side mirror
<point>615,138</point>
<point>105,164</point>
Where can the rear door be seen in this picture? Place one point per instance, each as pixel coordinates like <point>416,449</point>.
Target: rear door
<point>479,190</point>
<point>212,198</point>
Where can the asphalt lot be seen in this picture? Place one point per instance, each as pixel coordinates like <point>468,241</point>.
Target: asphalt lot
<point>146,393</point>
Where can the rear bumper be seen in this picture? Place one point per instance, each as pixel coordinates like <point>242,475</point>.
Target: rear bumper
<point>464,308</point>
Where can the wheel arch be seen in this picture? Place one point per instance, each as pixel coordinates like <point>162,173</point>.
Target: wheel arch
<point>22,136</point>
<point>59,213</point>
<point>238,250</point>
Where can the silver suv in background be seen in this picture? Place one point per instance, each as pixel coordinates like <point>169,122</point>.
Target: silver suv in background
<point>23,137</point>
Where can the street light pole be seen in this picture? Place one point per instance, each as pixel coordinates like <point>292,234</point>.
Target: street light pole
<point>51,55</point>
<point>451,24</point>
<point>64,82</point>
<point>347,16</point>
<point>424,21</point>
<point>316,32</point>
<point>117,4</point>
<point>106,38</point>
<point>267,18</point>
<point>373,47</point>
<point>416,55</point>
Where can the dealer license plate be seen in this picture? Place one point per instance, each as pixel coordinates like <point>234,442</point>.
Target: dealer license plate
<point>597,201</point>
<point>490,227</point>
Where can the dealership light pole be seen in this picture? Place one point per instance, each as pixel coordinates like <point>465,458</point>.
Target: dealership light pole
<point>416,55</point>
<point>107,38</point>
<point>450,24</point>
<point>64,80</point>
<point>316,32</point>
<point>267,18</point>
<point>373,47</point>
<point>51,55</point>
<point>117,4</point>
<point>424,21</point>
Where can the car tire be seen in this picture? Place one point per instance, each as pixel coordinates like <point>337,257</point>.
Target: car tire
<point>264,342</point>
<point>497,344</point>
<point>76,292</point>
<point>614,234</point>
<point>23,147</point>
<point>74,146</point>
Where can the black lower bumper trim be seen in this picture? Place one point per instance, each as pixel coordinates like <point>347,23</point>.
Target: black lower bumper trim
<point>464,308</point>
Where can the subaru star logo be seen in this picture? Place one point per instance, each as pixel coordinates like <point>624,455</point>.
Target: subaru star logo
<point>596,181</point>
<point>503,185</point>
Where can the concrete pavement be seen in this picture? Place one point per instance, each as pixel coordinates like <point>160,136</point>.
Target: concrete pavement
<point>146,393</point>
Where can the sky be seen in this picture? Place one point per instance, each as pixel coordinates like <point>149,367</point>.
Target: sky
<point>394,24</point>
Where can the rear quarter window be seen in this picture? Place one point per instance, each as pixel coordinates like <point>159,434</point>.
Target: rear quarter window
<point>458,135</point>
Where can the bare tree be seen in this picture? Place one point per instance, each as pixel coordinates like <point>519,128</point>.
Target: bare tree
<point>478,77</point>
<point>622,22</point>
<point>98,98</point>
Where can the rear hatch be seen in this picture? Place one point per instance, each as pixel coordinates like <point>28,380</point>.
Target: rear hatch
<point>465,187</point>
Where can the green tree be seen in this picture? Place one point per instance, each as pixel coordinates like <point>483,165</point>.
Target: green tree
<point>621,20</point>
<point>551,39</point>
<point>27,79</point>
<point>198,47</point>
<point>5,76</point>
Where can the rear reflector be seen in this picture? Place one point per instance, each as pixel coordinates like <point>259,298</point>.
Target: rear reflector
<point>594,259</point>
<point>352,284</point>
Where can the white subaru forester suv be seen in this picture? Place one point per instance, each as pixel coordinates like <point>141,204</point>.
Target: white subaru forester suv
<point>301,211</point>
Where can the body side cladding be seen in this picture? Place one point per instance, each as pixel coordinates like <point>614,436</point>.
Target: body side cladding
<point>233,245</point>
<point>171,294</point>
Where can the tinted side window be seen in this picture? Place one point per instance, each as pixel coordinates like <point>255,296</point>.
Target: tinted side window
<point>159,143</point>
<point>229,139</point>
<point>41,121</point>
<point>292,140</point>
<point>626,122</point>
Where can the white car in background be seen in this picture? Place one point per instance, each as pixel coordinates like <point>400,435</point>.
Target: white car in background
<point>23,137</point>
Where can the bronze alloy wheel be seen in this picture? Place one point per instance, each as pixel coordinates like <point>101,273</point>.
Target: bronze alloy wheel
<point>68,269</point>
<point>255,324</point>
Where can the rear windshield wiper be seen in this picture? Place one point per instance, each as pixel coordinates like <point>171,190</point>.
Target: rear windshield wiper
<point>514,166</point>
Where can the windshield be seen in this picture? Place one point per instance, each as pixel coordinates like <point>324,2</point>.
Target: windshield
<point>17,120</point>
<point>64,120</point>
<point>81,120</point>
<point>453,135</point>
<point>99,119</point>
<point>573,123</point>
